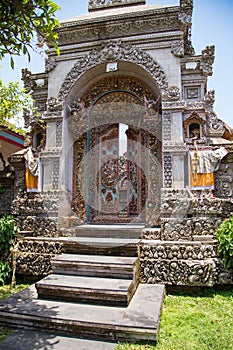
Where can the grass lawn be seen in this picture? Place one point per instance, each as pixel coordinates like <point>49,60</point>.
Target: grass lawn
<point>200,322</point>
<point>189,322</point>
<point>5,292</point>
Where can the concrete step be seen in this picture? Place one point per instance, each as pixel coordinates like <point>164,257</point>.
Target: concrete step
<point>101,246</point>
<point>109,231</point>
<point>34,340</point>
<point>137,322</point>
<point>96,266</point>
<point>92,290</point>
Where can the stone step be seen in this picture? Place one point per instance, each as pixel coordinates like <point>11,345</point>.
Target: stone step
<point>137,322</point>
<point>96,266</point>
<point>34,340</point>
<point>101,246</point>
<point>109,231</point>
<point>92,290</point>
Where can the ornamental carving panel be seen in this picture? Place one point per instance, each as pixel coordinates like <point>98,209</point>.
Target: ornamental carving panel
<point>176,230</point>
<point>113,51</point>
<point>99,4</point>
<point>224,178</point>
<point>207,60</point>
<point>179,272</point>
<point>205,225</point>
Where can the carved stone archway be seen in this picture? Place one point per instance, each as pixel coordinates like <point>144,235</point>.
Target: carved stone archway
<point>114,51</point>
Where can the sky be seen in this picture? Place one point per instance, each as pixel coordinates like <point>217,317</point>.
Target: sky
<point>212,25</point>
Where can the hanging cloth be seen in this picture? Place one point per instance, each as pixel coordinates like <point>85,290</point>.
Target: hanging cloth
<point>32,171</point>
<point>203,165</point>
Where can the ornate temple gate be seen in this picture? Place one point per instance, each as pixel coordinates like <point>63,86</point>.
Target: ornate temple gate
<point>112,167</point>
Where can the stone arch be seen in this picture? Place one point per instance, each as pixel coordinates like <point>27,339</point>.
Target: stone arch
<point>114,51</point>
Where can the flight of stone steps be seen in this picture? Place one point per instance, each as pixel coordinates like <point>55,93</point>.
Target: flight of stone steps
<point>93,292</point>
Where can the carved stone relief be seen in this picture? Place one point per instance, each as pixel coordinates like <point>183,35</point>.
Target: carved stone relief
<point>176,230</point>
<point>207,61</point>
<point>224,178</point>
<point>215,127</point>
<point>54,108</point>
<point>179,272</point>
<point>50,64</point>
<point>177,48</point>
<point>167,171</point>
<point>113,51</point>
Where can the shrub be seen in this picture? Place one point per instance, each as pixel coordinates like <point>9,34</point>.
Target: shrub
<point>224,235</point>
<point>8,234</point>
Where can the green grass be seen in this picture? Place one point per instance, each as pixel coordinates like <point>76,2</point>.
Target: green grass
<point>5,292</point>
<point>201,322</point>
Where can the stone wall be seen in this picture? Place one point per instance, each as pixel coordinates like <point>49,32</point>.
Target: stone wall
<point>184,250</point>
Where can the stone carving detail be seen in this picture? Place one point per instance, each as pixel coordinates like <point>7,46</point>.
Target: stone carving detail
<point>27,79</point>
<point>209,100</point>
<point>98,4</point>
<point>79,120</point>
<point>177,48</point>
<point>207,61</point>
<point>58,133</point>
<point>186,11</point>
<point>50,64</point>
<point>151,233</point>
<point>215,127</point>
<point>178,251</point>
<point>54,108</point>
<point>40,247</point>
<point>172,94</point>
<point>176,230</point>
<point>195,105</point>
<point>224,178</point>
<point>167,126</point>
<point>55,174</point>
<point>114,51</point>
<point>179,272</point>
<point>202,226</point>
<point>167,176</point>
<point>174,105</point>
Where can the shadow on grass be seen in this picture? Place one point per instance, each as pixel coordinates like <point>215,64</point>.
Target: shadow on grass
<point>23,310</point>
<point>210,292</point>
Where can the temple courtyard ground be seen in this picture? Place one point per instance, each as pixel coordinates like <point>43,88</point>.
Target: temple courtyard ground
<point>195,319</point>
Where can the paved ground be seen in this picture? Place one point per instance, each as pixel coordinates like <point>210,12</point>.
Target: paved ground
<point>33,340</point>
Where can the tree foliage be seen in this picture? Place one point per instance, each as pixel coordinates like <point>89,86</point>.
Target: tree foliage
<point>20,20</point>
<point>13,100</point>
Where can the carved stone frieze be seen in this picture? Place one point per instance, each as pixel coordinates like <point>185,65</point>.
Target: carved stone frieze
<point>167,126</point>
<point>180,105</point>
<point>176,230</point>
<point>38,226</point>
<point>177,251</point>
<point>29,245</point>
<point>179,272</point>
<point>33,264</point>
<point>146,22</point>
<point>174,147</point>
<point>207,61</point>
<point>196,105</point>
<point>99,4</point>
<point>177,48</point>
<point>113,51</point>
<point>151,233</point>
<point>202,226</point>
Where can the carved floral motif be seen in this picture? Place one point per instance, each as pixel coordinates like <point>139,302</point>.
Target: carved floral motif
<point>177,48</point>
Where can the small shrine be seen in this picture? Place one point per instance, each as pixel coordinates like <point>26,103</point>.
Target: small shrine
<point>129,137</point>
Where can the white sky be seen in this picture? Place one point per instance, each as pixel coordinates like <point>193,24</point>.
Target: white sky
<point>212,24</point>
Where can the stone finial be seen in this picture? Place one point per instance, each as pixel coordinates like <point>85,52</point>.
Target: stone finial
<point>207,61</point>
<point>94,5</point>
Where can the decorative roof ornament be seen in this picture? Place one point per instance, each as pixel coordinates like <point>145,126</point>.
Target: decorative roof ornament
<point>94,5</point>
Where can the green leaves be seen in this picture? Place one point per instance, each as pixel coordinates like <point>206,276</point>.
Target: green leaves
<point>8,234</point>
<point>13,100</point>
<point>224,235</point>
<point>21,21</point>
